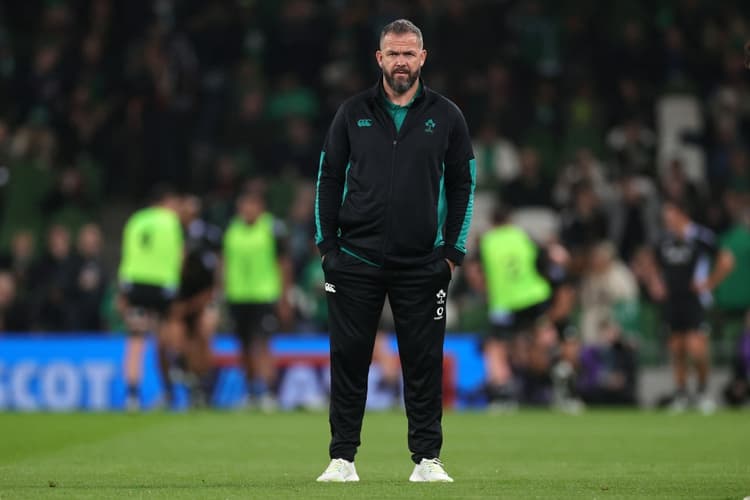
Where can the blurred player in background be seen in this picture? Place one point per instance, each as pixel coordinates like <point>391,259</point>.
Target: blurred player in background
<point>683,264</point>
<point>257,277</point>
<point>522,313</point>
<point>149,275</point>
<point>195,317</point>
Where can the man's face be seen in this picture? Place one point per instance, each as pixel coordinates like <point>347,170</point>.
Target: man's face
<point>171,202</point>
<point>401,58</point>
<point>673,218</point>
<point>250,208</point>
<point>190,208</point>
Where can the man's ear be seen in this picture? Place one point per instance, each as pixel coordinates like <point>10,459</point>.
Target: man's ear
<point>379,58</point>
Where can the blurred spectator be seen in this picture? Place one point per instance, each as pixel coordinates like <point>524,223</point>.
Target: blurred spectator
<point>246,129</point>
<point>292,99</point>
<point>584,223</point>
<point>635,216</point>
<point>87,282</point>
<point>311,301</point>
<point>219,206</point>
<point>608,369</point>
<point>630,101</point>
<point>8,68</point>
<point>128,152</point>
<point>545,128</point>
<point>739,171</point>
<point>14,313</point>
<point>496,157</point>
<point>725,142</point>
<point>298,152</point>
<point>530,188</point>
<point>301,228</point>
<point>45,85</point>
<point>68,203</point>
<point>632,53</point>
<point>49,273</point>
<point>164,71</point>
<point>585,168</point>
<point>19,260</point>
<point>296,39</point>
<point>608,292</point>
<point>31,173</point>
<point>632,146</point>
<point>499,102</point>
<point>538,36</point>
<point>583,120</point>
<point>677,60</point>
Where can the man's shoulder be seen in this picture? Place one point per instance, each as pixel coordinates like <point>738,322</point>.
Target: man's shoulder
<point>439,100</point>
<point>354,102</point>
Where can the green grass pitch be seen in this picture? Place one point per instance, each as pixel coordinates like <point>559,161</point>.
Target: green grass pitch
<point>597,455</point>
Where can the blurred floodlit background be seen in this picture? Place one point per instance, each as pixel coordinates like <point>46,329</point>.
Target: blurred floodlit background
<point>585,114</point>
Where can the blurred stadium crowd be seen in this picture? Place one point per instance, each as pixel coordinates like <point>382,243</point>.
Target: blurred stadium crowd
<point>585,115</point>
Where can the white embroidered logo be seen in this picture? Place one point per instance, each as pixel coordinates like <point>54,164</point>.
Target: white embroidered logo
<point>440,311</point>
<point>330,288</point>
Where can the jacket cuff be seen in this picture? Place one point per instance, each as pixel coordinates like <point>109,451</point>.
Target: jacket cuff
<point>327,245</point>
<point>454,255</point>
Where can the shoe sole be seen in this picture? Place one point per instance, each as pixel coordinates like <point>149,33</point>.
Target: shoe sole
<point>415,478</point>
<point>348,480</point>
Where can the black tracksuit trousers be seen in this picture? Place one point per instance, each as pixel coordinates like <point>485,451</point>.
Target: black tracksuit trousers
<point>356,294</point>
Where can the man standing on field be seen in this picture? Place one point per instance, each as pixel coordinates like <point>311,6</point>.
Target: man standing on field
<point>392,212</point>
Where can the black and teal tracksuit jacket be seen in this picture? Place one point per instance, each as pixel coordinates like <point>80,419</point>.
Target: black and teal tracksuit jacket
<point>396,191</point>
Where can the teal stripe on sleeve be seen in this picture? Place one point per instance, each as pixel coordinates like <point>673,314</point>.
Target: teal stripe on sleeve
<point>464,234</point>
<point>346,182</point>
<point>442,211</point>
<point>318,230</point>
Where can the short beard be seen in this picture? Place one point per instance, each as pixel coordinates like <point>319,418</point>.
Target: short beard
<point>401,86</point>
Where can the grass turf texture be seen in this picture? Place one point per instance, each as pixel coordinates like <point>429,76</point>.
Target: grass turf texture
<point>603,455</point>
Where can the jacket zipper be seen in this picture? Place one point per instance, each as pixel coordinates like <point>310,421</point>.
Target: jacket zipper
<point>390,195</point>
<point>394,143</point>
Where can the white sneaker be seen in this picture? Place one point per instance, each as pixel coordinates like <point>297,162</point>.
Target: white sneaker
<point>571,406</point>
<point>268,404</point>
<point>679,404</point>
<point>430,471</point>
<point>132,404</point>
<point>339,471</point>
<point>503,407</point>
<point>706,405</point>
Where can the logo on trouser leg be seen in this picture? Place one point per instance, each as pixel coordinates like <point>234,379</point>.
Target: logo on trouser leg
<point>440,311</point>
<point>330,288</point>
